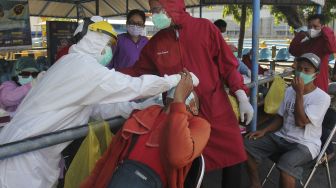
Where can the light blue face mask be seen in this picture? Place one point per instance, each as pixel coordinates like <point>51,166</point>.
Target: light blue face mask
<point>307,78</point>
<point>24,81</point>
<point>161,20</point>
<point>107,56</point>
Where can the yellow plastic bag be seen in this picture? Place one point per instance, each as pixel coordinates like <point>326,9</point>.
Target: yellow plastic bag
<point>92,147</point>
<point>275,95</point>
<point>234,105</point>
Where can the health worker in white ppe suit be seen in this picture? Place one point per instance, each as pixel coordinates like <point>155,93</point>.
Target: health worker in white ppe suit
<point>65,97</point>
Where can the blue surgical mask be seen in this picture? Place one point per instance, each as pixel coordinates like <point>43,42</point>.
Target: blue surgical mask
<point>26,80</point>
<point>307,78</point>
<point>161,20</point>
<point>107,56</point>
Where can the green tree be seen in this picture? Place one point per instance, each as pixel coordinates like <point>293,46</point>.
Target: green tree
<point>241,14</point>
<point>296,16</point>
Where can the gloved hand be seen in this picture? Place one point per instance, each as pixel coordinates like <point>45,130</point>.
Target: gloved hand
<point>175,79</point>
<point>245,108</point>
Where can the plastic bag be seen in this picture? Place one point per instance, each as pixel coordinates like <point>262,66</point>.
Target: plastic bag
<point>92,147</point>
<point>234,105</point>
<point>275,95</point>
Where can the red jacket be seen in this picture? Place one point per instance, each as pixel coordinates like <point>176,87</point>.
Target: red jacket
<point>181,140</point>
<point>200,47</point>
<point>322,46</point>
<point>248,62</point>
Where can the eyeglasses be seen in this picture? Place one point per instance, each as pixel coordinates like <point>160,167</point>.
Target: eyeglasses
<point>27,74</point>
<point>155,10</point>
<point>136,24</point>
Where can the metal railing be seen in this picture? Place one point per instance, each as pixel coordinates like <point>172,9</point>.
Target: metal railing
<point>50,139</point>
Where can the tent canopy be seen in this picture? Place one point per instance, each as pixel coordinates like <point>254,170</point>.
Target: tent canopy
<point>108,8</point>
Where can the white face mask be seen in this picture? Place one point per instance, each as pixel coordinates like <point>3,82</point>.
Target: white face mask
<point>313,33</point>
<point>135,30</point>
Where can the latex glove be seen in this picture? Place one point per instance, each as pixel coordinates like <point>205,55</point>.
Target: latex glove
<point>175,79</point>
<point>245,108</point>
<point>302,28</point>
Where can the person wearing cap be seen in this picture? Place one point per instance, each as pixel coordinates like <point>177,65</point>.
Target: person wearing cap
<point>162,140</point>
<point>78,35</point>
<point>294,135</point>
<point>24,77</point>
<point>130,44</point>
<point>66,97</point>
<point>318,39</point>
<point>198,45</point>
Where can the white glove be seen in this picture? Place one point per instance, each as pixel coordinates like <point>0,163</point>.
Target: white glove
<point>175,79</point>
<point>245,108</point>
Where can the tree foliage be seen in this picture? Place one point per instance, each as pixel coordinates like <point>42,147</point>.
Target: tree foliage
<point>235,11</point>
<point>296,16</point>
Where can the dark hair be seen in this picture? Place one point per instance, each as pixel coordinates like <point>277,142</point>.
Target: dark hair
<point>220,23</point>
<point>317,16</point>
<point>136,12</point>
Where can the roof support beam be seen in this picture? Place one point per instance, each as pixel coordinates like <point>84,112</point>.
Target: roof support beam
<point>137,2</point>
<point>43,8</point>
<point>114,9</point>
<point>73,7</point>
<point>87,9</point>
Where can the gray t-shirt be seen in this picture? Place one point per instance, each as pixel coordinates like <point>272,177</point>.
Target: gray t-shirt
<point>315,104</point>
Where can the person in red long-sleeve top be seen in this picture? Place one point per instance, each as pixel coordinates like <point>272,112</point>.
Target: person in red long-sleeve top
<point>198,45</point>
<point>168,140</point>
<point>320,40</point>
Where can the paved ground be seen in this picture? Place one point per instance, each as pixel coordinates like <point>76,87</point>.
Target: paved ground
<point>319,180</point>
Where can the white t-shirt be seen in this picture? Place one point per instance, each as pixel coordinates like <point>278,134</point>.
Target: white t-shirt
<point>316,104</point>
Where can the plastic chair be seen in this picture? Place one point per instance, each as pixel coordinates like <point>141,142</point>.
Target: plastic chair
<point>282,55</point>
<point>246,51</point>
<point>265,54</point>
<point>196,173</point>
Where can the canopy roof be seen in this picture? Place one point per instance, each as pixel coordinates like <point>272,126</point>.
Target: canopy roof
<point>108,8</point>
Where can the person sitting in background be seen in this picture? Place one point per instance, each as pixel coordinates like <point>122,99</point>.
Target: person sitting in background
<point>297,127</point>
<point>163,141</point>
<point>247,60</point>
<point>130,44</point>
<point>12,92</point>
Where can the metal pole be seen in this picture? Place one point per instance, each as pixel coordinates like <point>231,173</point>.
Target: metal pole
<point>97,7</point>
<point>77,11</point>
<point>126,6</point>
<point>200,8</point>
<point>50,139</point>
<point>255,52</point>
<point>319,9</point>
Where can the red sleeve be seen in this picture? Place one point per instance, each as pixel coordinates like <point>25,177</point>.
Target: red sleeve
<point>185,136</point>
<point>295,47</point>
<point>145,64</point>
<point>62,52</point>
<point>330,41</point>
<point>227,62</point>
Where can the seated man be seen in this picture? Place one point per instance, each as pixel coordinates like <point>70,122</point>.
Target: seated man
<point>298,127</point>
<point>157,144</point>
